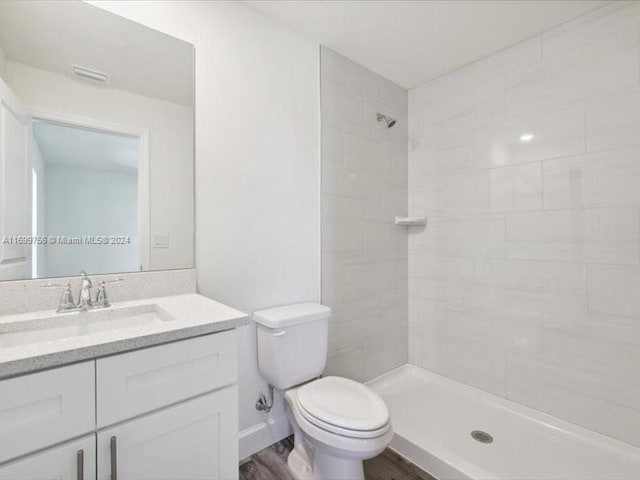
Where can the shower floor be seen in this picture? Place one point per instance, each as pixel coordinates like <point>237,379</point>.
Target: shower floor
<point>433,417</point>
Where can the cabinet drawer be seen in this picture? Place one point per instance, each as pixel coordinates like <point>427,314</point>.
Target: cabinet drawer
<point>61,462</point>
<point>45,408</point>
<point>145,380</point>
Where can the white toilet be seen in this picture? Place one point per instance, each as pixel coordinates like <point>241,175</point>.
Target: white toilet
<point>337,422</point>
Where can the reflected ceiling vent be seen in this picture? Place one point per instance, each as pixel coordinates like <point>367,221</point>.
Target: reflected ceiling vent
<point>90,74</point>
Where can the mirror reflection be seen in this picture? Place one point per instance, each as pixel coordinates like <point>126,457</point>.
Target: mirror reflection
<point>96,121</point>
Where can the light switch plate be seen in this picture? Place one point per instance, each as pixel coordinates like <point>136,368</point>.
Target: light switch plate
<point>161,240</point>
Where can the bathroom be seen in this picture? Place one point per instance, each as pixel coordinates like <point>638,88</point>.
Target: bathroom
<point>319,240</point>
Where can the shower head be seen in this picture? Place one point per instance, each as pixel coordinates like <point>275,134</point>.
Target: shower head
<point>390,122</point>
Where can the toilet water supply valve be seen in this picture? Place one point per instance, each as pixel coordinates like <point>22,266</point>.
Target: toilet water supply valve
<point>265,404</point>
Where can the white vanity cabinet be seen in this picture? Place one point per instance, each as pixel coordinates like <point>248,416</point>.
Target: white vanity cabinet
<point>164,412</point>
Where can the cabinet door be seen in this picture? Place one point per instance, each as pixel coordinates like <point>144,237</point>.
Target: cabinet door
<point>75,460</point>
<point>196,439</point>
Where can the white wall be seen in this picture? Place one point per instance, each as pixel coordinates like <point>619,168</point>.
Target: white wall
<point>364,186</point>
<point>525,281</point>
<point>83,201</point>
<point>170,129</point>
<point>257,169</point>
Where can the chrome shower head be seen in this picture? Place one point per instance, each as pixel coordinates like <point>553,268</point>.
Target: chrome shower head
<point>390,122</point>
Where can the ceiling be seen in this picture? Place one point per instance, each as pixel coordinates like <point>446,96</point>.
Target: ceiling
<point>68,146</point>
<point>52,35</point>
<point>410,42</point>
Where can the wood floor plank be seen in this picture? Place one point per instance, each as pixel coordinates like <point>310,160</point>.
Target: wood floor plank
<point>271,464</point>
<point>391,466</point>
<point>250,470</point>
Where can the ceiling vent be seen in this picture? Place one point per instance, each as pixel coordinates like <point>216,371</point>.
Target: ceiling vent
<point>90,74</point>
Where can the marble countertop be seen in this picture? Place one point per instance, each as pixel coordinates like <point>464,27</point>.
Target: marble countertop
<point>191,315</point>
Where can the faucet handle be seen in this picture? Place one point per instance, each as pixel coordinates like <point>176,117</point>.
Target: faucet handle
<point>102,300</point>
<point>66,299</point>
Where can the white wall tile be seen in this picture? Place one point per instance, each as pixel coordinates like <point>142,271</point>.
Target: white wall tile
<point>364,185</point>
<point>615,16</point>
<point>613,120</point>
<point>476,105</point>
<point>430,92</point>
<point>516,188</point>
<point>467,193</point>
<point>557,131</point>
<point>340,107</point>
<point>428,198</point>
<point>394,95</point>
<point>338,70</point>
<point>614,290</point>
<point>495,66</point>
<point>602,66</point>
<point>572,348</point>
<point>607,235</point>
<point>427,163</point>
<point>600,179</point>
<point>464,236</point>
<point>576,396</point>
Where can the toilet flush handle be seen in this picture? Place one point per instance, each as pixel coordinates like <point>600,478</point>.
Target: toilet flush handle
<point>279,333</point>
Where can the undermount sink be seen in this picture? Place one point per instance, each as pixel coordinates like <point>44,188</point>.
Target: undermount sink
<point>60,327</point>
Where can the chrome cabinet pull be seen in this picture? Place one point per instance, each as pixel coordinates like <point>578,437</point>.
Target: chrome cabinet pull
<point>80,464</point>
<point>114,459</point>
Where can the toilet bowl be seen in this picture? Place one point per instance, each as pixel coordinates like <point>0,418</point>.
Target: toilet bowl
<point>341,422</point>
<point>337,422</point>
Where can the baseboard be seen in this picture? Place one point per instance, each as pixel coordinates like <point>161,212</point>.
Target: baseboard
<point>257,437</point>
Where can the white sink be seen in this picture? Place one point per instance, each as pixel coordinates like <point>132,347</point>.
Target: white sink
<point>64,326</point>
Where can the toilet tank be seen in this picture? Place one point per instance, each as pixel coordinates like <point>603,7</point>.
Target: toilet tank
<point>292,343</point>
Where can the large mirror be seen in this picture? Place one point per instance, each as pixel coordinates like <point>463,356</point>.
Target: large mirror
<point>96,143</point>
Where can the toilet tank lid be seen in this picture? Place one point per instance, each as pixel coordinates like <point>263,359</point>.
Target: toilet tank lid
<point>286,316</point>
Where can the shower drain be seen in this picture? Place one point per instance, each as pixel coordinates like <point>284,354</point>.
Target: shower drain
<point>482,437</point>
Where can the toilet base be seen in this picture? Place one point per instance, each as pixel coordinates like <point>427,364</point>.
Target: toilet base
<point>299,467</point>
<point>328,467</point>
<point>325,467</point>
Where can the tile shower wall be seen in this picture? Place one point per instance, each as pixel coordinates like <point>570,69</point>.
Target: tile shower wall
<point>526,281</point>
<point>364,185</point>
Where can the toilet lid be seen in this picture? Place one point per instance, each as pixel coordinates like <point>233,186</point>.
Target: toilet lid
<point>343,403</point>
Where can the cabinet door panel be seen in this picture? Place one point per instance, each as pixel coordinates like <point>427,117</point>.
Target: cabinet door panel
<point>142,381</point>
<point>197,439</point>
<point>42,409</point>
<point>56,463</point>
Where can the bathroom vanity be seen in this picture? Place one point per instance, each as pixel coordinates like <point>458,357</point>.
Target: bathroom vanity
<point>86,397</point>
<point>145,388</point>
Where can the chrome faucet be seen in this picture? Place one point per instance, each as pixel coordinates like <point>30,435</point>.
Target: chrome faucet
<point>84,303</point>
<point>84,298</point>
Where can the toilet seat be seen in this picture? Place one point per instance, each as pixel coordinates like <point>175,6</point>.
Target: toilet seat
<point>343,407</point>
